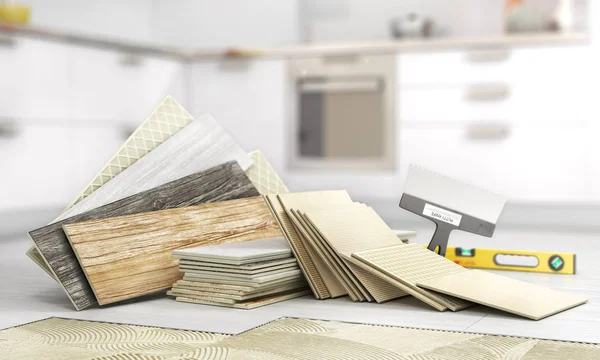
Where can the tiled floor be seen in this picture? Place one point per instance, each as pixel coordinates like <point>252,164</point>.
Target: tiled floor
<point>28,294</point>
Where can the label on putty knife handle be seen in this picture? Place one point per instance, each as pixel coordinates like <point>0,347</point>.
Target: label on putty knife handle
<point>441,214</point>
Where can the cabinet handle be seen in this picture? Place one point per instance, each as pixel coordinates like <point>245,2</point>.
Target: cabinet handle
<point>488,131</point>
<point>367,85</point>
<point>485,56</point>
<point>8,130</point>
<point>6,41</point>
<point>131,60</point>
<point>488,92</point>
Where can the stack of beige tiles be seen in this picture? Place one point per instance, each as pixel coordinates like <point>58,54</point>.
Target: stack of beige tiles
<point>345,248</point>
<point>239,275</point>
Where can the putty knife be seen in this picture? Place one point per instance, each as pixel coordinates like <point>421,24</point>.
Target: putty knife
<point>451,205</point>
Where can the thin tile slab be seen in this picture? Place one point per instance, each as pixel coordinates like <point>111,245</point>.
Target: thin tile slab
<point>218,270</point>
<point>239,282</point>
<point>316,198</point>
<point>263,176</point>
<point>129,256</point>
<point>250,267</point>
<point>503,293</point>
<point>251,304</point>
<point>185,292</point>
<point>315,281</point>
<point>222,182</point>
<point>239,253</point>
<point>345,277</point>
<point>412,263</point>
<point>222,290</point>
<point>259,279</point>
<point>165,120</point>
<point>233,289</point>
<point>353,228</point>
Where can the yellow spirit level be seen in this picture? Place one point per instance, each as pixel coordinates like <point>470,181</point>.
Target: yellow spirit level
<point>519,260</point>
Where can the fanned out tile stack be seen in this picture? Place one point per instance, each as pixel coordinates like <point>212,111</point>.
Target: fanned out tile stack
<point>240,275</point>
<point>241,239</point>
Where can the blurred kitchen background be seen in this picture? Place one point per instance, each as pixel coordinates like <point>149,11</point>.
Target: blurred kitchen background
<point>338,94</point>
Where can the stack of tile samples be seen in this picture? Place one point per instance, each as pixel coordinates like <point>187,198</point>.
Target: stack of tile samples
<point>239,275</point>
<point>346,248</point>
<point>172,169</point>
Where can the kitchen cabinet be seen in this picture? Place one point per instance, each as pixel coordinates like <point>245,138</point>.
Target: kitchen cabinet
<point>46,166</point>
<point>593,160</point>
<point>249,99</point>
<point>518,104</point>
<point>33,80</point>
<point>542,66</point>
<point>116,88</point>
<point>526,164</point>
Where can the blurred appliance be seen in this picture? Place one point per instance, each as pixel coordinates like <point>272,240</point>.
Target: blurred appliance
<point>411,25</point>
<point>343,113</point>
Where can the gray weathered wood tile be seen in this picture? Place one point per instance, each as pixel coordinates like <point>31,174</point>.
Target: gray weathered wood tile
<point>223,182</point>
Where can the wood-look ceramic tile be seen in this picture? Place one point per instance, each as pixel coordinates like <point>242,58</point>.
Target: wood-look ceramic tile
<point>223,182</point>
<point>129,256</point>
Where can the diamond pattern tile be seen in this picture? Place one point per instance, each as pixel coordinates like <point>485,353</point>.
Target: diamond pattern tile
<point>264,177</point>
<point>167,119</point>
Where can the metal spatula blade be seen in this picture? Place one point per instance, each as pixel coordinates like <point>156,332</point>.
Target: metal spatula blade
<point>451,205</point>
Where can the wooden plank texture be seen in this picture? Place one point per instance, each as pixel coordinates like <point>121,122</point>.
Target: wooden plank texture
<point>223,182</point>
<point>261,173</point>
<point>129,256</point>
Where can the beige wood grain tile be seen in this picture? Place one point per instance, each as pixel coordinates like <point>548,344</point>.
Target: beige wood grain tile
<point>411,263</point>
<point>129,256</point>
<point>315,281</point>
<point>503,293</point>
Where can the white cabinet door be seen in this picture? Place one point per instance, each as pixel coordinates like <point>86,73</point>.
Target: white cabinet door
<point>35,168</point>
<point>249,99</point>
<point>530,164</point>
<point>593,161</point>
<point>34,80</point>
<point>522,104</point>
<point>543,66</point>
<point>46,166</point>
<point>108,86</point>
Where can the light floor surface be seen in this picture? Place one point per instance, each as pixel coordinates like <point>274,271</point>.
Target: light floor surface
<point>28,294</point>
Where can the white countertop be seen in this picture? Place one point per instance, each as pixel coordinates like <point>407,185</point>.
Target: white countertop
<point>300,50</point>
<point>28,294</point>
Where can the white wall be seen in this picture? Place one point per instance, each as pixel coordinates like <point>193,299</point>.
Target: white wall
<point>128,20</point>
<point>182,23</point>
<point>210,24</point>
<point>353,20</point>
